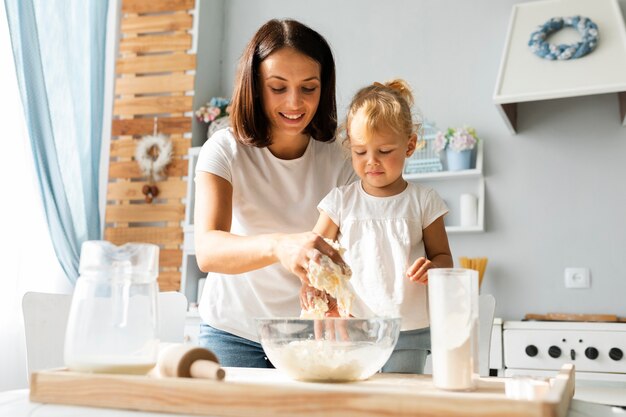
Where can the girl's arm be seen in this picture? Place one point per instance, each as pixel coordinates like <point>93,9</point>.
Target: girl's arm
<point>436,244</point>
<point>326,227</point>
<point>218,250</point>
<point>437,252</point>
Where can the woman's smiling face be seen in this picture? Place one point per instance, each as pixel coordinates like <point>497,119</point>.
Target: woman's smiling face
<point>290,90</point>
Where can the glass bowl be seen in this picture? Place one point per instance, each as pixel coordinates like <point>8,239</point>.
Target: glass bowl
<point>329,349</point>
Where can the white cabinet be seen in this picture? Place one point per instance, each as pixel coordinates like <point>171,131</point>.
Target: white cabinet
<point>191,274</point>
<point>525,78</point>
<point>451,185</point>
<point>192,328</point>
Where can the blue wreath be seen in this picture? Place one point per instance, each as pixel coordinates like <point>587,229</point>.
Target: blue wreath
<point>585,27</point>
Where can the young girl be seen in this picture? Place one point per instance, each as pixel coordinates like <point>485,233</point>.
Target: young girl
<point>393,230</point>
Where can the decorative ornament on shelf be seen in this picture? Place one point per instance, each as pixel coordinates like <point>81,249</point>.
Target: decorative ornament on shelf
<point>215,114</point>
<point>458,143</point>
<point>153,154</point>
<point>585,27</point>
<point>425,158</point>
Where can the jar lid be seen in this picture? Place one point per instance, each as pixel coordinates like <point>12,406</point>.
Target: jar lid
<point>136,261</point>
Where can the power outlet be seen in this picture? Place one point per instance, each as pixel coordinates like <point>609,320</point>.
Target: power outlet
<point>577,278</point>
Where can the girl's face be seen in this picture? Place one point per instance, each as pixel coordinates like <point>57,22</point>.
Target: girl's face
<point>290,91</point>
<point>378,157</point>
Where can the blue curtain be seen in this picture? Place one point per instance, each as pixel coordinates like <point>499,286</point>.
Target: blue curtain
<point>59,52</point>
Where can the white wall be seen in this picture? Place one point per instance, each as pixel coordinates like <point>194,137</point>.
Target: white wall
<point>556,191</point>
<point>210,29</point>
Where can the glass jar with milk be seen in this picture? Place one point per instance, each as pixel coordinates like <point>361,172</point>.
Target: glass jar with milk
<point>112,326</point>
<point>453,308</point>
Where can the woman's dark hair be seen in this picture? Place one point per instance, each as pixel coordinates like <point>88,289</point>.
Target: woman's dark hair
<point>249,122</point>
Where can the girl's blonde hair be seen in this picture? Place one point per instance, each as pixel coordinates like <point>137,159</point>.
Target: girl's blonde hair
<point>385,105</point>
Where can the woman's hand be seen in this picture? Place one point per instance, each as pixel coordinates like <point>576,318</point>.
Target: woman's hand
<point>418,272</point>
<point>294,251</point>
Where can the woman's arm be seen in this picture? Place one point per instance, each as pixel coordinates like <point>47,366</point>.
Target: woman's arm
<point>218,250</point>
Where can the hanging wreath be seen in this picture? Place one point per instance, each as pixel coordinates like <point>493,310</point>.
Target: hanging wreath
<point>585,27</point>
<point>153,154</point>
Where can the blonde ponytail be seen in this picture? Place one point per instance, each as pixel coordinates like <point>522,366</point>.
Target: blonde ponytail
<point>387,104</point>
<point>402,87</point>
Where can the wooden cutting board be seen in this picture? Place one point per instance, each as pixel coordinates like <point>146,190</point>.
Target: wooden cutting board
<point>266,392</point>
<point>575,317</point>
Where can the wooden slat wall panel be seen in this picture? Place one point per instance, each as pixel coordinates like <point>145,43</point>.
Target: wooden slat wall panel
<point>156,63</point>
<point>170,189</point>
<point>130,169</point>
<point>169,258</point>
<point>156,6</point>
<point>169,280</point>
<point>155,84</point>
<point>158,23</point>
<point>165,125</point>
<point>158,43</point>
<point>157,235</point>
<point>126,147</point>
<point>146,213</point>
<point>155,77</point>
<point>151,105</point>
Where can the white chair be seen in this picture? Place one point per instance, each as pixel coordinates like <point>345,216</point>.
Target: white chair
<point>45,320</point>
<point>486,312</point>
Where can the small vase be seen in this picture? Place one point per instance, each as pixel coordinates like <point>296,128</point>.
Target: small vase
<point>458,161</point>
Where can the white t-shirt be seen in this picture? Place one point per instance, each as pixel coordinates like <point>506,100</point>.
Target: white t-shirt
<point>383,237</point>
<point>270,195</point>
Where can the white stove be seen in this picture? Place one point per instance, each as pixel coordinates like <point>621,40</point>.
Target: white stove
<point>597,350</point>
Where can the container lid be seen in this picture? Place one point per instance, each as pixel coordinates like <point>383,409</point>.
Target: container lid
<point>136,261</point>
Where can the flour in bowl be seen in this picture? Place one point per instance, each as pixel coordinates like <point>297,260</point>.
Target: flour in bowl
<point>328,360</point>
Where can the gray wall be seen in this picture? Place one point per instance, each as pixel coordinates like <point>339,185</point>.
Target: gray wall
<point>210,30</point>
<point>556,193</point>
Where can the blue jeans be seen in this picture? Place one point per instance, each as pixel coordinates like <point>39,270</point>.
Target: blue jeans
<point>233,350</point>
<point>409,355</point>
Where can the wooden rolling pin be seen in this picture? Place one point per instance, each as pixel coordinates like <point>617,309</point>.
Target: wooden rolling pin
<point>178,360</point>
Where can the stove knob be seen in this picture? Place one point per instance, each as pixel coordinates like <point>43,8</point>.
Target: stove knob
<point>616,354</point>
<point>531,350</point>
<point>554,351</point>
<point>591,353</point>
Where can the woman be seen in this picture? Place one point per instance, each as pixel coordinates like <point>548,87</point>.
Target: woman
<point>258,186</point>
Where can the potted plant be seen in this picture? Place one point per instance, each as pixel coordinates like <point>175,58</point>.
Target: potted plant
<point>458,144</point>
<point>215,114</point>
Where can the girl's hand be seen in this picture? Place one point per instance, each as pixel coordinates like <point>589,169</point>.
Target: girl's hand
<point>307,294</point>
<point>294,251</point>
<point>333,309</point>
<point>418,271</point>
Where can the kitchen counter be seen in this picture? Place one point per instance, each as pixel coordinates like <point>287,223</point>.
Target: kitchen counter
<point>16,404</point>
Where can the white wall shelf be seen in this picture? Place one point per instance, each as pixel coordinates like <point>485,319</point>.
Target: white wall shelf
<point>445,175</point>
<point>451,184</point>
<point>525,77</point>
